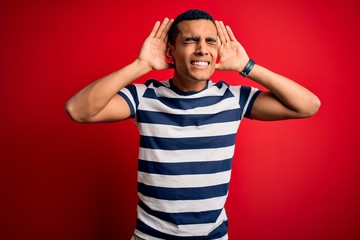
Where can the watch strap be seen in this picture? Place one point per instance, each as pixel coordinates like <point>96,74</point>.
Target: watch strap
<point>249,66</point>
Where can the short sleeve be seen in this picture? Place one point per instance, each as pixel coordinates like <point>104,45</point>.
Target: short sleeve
<point>132,94</point>
<point>247,99</point>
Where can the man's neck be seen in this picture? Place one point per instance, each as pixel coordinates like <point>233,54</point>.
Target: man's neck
<point>189,84</point>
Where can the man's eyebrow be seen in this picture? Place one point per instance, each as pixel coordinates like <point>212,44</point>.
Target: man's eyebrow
<point>211,39</point>
<point>192,38</point>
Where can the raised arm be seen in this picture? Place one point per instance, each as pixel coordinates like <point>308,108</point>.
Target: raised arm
<point>285,99</point>
<point>99,101</point>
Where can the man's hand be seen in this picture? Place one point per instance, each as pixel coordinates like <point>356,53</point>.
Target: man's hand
<point>232,54</point>
<point>153,50</point>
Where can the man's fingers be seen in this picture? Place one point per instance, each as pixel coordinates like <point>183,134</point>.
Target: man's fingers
<point>155,28</point>
<point>161,29</point>
<point>230,33</point>
<point>164,33</point>
<point>220,32</point>
<point>225,32</point>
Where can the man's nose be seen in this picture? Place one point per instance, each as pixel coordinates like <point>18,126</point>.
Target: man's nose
<point>201,48</point>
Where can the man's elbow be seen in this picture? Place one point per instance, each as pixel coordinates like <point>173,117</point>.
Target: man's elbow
<point>312,107</point>
<point>72,113</point>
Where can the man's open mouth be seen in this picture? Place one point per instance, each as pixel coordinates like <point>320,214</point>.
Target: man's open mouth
<point>200,63</point>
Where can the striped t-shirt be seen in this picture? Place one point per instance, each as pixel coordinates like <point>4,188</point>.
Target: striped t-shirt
<point>187,142</point>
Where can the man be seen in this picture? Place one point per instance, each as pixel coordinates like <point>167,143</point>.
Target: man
<point>188,124</point>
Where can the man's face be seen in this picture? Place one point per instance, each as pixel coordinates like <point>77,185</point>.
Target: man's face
<point>195,50</point>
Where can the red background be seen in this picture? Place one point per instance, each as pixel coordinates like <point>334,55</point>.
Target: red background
<point>61,180</point>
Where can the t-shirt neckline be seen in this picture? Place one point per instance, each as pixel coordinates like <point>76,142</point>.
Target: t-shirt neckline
<point>181,92</point>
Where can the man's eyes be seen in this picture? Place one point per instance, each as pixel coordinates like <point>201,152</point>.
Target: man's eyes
<point>211,40</point>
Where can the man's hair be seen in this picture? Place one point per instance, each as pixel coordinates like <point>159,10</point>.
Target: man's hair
<point>193,14</point>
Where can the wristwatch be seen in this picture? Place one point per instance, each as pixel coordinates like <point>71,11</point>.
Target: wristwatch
<point>249,66</point>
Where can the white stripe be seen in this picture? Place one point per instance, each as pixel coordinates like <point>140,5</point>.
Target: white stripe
<point>180,206</point>
<point>192,155</point>
<point>150,104</point>
<point>140,89</point>
<point>180,230</point>
<point>184,181</point>
<point>145,236</point>
<point>169,131</point>
<point>166,91</point>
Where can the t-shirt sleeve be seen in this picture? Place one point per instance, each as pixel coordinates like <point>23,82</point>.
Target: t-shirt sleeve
<point>247,99</point>
<point>132,94</point>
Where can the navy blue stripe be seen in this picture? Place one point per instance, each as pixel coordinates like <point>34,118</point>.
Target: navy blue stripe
<point>221,83</point>
<point>188,103</point>
<point>155,83</point>
<point>251,103</point>
<point>184,168</point>
<point>184,218</point>
<point>188,119</point>
<point>187,143</point>
<point>132,110</point>
<point>219,232</point>
<point>196,193</point>
<point>132,90</point>
<point>244,95</point>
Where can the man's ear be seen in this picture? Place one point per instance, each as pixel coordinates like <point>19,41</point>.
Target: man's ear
<point>169,52</point>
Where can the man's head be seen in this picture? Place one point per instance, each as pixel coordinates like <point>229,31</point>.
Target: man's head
<point>193,47</point>
<point>194,14</point>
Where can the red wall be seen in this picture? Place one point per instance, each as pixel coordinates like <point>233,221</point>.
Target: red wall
<point>61,180</point>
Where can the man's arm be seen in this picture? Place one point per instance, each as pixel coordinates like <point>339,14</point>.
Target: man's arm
<point>99,101</point>
<point>285,99</point>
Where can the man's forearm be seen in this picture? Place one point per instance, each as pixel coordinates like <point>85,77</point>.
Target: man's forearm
<point>290,93</point>
<point>94,97</point>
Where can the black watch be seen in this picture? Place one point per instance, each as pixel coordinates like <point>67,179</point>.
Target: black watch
<point>249,66</point>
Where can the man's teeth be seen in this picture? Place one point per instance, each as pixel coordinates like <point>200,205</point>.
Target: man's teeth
<point>197,63</point>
